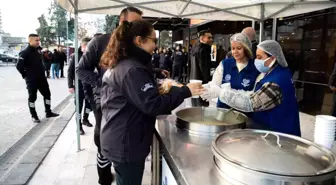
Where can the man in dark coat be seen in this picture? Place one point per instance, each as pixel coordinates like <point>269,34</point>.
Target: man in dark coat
<point>63,59</point>
<point>201,62</point>
<point>32,70</point>
<point>82,88</point>
<point>201,57</point>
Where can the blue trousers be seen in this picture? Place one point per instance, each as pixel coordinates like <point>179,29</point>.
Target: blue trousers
<point>55,70</point>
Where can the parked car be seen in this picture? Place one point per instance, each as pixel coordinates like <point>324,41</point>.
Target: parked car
<point>8,58</point>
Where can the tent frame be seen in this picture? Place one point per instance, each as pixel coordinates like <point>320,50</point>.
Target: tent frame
<point>261,19</point>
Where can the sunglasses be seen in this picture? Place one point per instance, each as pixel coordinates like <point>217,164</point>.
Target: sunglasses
<point>155,40</point>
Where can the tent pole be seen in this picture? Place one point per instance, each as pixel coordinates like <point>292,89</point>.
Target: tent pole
<point>172,43</point>
<point>67,44</point>
<point>159,38</point>
<point>262,13</point>
<point>253,24</point>
<point>189,51</point>
<point>78,116</point>
<point>274,29</point>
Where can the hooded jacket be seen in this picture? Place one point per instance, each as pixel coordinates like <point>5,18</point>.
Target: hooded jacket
<point>201,62</point>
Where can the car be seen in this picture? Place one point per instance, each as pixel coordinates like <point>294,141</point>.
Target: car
<point>8,58</point>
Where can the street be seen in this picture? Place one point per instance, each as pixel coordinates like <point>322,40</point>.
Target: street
<point>15,119</point>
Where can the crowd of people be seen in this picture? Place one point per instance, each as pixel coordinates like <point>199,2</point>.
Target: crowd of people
<point>175,61</point>
<point>54,62</point>
<point>118,72</point>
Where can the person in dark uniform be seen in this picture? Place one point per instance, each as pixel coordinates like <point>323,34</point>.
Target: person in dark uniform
<point>86,73</point>
<point>167,63</point>
<point>31,68</point>
<point>178,61</point>
<point>162,57</point>
<point>156,59</point>
<point>130,111</point>
<point>201,63</point>
<point>47,58</point>
<point>185,64</point>
<point>157,71</point>
<point>62,60</point>
<point>81,96</point>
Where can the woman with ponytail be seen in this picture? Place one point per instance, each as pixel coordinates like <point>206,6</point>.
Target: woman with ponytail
<point>131,100</point>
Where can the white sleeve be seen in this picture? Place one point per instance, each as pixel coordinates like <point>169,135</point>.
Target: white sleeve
<point>218,75</point>
<point>237,99</point>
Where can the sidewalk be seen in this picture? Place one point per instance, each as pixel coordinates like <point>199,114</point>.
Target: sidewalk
<point>65,166</point>
<point>15,119</point>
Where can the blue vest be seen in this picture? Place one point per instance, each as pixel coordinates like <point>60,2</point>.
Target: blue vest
<point>283,118</point>
<point>243,80</point>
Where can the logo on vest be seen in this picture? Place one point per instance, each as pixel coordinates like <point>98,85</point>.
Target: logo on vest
<point>246,82</point>
<point>227,77</point>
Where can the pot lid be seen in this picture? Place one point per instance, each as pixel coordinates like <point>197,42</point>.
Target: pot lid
<point>274,153</point>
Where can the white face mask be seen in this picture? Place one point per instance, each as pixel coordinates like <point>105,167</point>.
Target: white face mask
<point>260,65</point>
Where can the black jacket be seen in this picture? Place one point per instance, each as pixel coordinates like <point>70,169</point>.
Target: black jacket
<point>89,63</point>
<point>162,59</point>
<point>30,65</point>
<point>200,62</point>
<point>58,57</point>
<point>83,89</point>
<point>156,60</point>
<point>167,63</point>
<point>178,58</point>
<point>130,103</point>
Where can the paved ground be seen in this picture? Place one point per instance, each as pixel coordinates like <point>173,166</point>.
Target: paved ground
<point>15,119</point>
<point>65,166</point>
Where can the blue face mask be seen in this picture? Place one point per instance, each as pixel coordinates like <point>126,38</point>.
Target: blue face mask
<point>260,65</point>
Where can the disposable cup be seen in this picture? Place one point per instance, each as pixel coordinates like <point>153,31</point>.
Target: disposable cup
<point>196,82</point>
<point>324,134</point>
<point>325,129</point>
<point>325,118</point>
<point>318,137</point>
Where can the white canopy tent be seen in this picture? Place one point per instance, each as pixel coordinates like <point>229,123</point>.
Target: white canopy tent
<point>238,10</point>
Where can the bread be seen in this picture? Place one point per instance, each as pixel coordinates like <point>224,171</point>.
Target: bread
<point>165,85</point>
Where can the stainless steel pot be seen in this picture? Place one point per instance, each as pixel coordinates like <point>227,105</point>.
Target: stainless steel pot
<point>257,157</point>
<point>209,120</point>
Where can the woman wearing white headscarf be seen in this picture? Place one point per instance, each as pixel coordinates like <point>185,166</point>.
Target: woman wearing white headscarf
<point>273,99</point>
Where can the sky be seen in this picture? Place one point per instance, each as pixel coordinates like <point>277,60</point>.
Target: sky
<point>19,17</point>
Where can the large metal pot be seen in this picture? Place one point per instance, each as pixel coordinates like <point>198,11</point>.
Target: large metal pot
<point>257,157</point>
<point>209,121</point>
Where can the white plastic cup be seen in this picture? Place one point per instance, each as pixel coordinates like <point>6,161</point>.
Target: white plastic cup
<point>325,119</point>
<point>196,82</point>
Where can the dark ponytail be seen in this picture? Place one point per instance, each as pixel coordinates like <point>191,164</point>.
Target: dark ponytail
<point>121,41</point>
